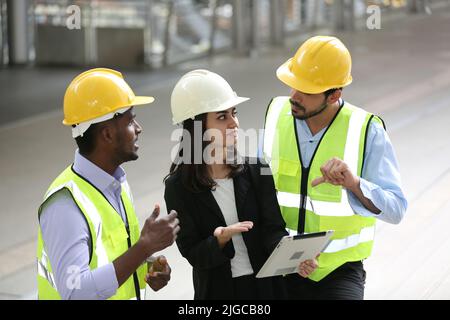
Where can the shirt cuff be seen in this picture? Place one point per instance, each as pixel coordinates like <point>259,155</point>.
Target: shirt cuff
<point>372,192</point>
<point>105,281</point>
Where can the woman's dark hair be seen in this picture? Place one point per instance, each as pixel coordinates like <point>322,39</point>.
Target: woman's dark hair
<point>196,177</point>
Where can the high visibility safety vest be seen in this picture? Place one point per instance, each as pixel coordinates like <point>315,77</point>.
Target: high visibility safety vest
<point>110,237</point>
<point>325,207</point>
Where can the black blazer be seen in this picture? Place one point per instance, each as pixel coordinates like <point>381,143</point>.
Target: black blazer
<point>200,215</point>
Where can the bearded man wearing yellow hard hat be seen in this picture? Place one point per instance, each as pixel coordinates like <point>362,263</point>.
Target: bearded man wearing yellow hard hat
<point>89,243</point>
<point>334,168</point>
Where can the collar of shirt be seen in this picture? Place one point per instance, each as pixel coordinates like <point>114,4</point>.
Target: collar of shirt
<point>97,176</point>
<point>304,132</point>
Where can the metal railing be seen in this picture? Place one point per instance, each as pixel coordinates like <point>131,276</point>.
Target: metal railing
<point>172,30</point>
<point>158,33</point>
<point>3,34</point>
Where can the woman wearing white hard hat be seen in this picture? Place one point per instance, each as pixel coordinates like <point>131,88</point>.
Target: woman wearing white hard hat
<point>229,216</point>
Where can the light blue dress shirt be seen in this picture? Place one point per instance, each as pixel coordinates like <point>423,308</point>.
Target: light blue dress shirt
<point>67,238</point>
<point>380,179</point>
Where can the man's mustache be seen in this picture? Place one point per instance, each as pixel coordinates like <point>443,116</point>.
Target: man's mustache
<point>296,104</point>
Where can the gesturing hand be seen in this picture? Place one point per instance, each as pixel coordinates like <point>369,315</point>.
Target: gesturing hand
<point>337,172</point>
<point>158,234</point>
<point>224,234</point>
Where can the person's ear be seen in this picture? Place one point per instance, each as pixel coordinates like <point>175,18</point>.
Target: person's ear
<point>335,96</point>
<point>107,134</point>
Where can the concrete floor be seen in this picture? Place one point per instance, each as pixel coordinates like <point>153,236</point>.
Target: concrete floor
<point>401,72</point>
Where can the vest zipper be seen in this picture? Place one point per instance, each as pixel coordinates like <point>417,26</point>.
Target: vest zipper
<point>303,197</point>
<point>135,277</point>
<point>303,186</point>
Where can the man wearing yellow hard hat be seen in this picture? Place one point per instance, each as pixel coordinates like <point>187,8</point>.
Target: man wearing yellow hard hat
<point>89,244</point>
<point>334,168</point>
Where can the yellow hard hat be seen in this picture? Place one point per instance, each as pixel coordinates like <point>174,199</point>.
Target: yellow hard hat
<point>320,64</point>
<point>96,95</point>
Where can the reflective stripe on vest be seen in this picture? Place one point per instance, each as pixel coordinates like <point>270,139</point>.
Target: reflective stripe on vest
<point>43,269</point>
<point>91,211</point>
<point>110,237</point>
<point>321,208</point>
<point>366,235</point>
<point>325,207</point>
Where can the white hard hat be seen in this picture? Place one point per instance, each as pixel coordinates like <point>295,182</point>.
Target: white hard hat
<point>201,91</point>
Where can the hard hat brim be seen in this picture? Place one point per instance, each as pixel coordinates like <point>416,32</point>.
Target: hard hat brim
<point>230,103</point>
<point>285,75</point>
<point>140,100</point>
<point>224,106</point>
<point>137,101</point>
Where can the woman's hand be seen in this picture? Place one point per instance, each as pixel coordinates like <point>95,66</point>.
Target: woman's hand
<point>224,234</point>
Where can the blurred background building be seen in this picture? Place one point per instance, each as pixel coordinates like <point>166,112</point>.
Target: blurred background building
<point>158,33</point>
<point>401,72</point>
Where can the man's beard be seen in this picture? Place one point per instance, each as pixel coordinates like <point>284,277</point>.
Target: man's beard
<point>307,115</point>
<point>123,154</point>
<point>128,156</point>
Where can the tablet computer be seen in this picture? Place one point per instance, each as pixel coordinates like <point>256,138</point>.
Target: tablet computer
<point>292,250</point>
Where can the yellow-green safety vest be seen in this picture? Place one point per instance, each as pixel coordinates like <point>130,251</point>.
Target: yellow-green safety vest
<point>110,237</point>
<point>325,207</point>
